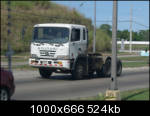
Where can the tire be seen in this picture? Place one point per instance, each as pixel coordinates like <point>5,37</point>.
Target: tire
<point>119,67</point>
<point>45,73</point>
<point>4,94</point>
<point>107,68</point>
<point>78,72</point>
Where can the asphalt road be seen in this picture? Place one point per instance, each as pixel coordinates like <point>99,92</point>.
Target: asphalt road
<point>29,85</point>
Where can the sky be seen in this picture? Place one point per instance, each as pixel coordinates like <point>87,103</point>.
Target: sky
<point>140,11</point>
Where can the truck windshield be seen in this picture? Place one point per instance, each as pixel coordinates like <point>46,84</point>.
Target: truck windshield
<point>51,34</point>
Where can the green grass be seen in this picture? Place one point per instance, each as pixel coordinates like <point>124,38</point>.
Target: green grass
<point>126,53</point>
<point>134,64</point>
<point>22,67</point>
<point>15,59</point>
<point>137,58</point>
<point>136,47</point>
<point>138,94</point>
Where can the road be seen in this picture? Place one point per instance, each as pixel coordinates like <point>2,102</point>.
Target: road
<point>29,85</point>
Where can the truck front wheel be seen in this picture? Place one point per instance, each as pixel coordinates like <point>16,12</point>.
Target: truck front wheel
<point>78,72</point>
<point>45,73</point>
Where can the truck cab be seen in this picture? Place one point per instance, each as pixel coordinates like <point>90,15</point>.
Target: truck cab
<point>63,48</point>
<point>55,46</point>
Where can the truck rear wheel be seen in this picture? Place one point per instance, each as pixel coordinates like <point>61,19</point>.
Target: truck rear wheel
<point>119,67</point>
<point>45,73</point>
<point>78,72</point>
<point>107,68</point>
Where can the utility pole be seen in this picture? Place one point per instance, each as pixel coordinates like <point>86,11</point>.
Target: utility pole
<point>94,34</point>
<point>114,93</point>
<point>9,52</point>
<point>114,48</point>
<point>130,48</point>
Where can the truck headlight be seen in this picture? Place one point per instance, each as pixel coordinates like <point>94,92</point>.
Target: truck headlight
<point>34,56</point>
<point>63,57</point>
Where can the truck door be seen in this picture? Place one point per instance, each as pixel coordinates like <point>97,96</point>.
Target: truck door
<point>75,43</point>
<point>84,40</point>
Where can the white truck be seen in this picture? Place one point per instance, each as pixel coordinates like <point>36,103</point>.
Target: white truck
<point>64,48</point>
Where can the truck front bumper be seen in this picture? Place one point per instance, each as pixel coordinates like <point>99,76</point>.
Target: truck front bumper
<point>61,64</point>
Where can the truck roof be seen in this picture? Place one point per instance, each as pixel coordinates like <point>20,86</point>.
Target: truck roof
<point>59,25</point>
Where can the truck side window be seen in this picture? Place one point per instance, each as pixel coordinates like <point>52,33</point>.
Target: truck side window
<point>75,36</point>
<point>84,34</point>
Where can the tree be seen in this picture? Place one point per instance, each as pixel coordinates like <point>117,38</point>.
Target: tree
<point>144,35</point>
<point>123,34</point>
<point>106,28</point>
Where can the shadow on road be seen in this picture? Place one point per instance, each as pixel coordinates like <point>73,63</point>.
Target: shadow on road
<point>69,77</point>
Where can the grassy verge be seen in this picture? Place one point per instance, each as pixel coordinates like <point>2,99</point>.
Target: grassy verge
<point>22,67</point>
<point>134,64</point>
<point>137,58</point>
<point>138,94</point>
<point>126,53</point>
<point>135,47</point>
<point>15,59</point>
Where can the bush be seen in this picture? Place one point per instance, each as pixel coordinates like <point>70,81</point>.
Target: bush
<point>103,41</point>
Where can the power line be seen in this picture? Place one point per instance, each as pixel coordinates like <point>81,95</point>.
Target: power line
<point>141,24</point>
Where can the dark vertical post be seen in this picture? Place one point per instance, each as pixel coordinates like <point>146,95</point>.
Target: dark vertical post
<point>114,48</point>
<point>9,52</point>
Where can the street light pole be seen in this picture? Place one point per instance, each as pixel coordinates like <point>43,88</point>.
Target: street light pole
<point>114,48</point>
<point>114,93</point>
<point>9,52</point>
<point>94,34</point>
<point>131,29</point>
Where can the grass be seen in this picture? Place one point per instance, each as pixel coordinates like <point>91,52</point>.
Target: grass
<point>137,58</point>
<point>134,64</point>
<point>15,59</point>
<point>136,47</point>
<point>23,67</point>
<point>126,53</point>
<point>138,94</point>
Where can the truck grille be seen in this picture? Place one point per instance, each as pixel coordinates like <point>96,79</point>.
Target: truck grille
<point>47,53</point>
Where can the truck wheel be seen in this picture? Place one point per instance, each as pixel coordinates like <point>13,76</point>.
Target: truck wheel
<point>107,68</point>
<point>78,71</point>
<point>119,67</point>
<point>45,73</point>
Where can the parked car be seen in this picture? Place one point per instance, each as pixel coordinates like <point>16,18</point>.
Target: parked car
<point>7,85</point>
